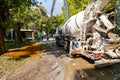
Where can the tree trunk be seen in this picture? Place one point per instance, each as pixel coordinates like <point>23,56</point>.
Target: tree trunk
<point>2,44</point>
<point>17,34</point>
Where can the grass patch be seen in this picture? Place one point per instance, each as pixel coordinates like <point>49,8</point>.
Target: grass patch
<point>12,44</point>
<point>15,58</point>
<point>9,63</point>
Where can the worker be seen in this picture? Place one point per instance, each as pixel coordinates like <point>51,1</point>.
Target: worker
<point>47,37</point>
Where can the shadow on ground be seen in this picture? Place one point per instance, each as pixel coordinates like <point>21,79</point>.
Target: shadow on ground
<point>52,49</point>
<point>17,58</point>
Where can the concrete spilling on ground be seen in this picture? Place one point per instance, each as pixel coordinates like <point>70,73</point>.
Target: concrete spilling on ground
<point>30,50</point>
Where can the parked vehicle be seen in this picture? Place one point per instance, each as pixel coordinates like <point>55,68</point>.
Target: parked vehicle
<point>93,39</point>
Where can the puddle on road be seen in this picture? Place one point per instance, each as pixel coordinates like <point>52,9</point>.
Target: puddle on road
<point>80,69</point>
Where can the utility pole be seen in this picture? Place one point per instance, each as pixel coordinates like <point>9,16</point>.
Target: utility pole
<point>66,9</point>
<point>53,6</point>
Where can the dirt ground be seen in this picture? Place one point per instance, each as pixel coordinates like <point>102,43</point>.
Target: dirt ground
<point>54,64</point>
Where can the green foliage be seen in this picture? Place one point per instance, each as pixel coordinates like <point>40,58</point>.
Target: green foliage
<point>42,21</point>
<point>110,6</point>
<point>39,17</point>
<point>76,6</point>
<point>13,11</point>
<point>117,19</point>
<point>12,44</point>
<point>19,11</point>
<point>60,18</point>
<point>51,25</point>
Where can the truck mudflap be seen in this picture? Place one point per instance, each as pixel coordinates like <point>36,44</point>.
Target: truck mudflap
<point>76,52</point>
<point>106,62</point>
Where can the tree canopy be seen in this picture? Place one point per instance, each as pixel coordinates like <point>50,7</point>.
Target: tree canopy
<point>12,14</point>
<point>29,14</point>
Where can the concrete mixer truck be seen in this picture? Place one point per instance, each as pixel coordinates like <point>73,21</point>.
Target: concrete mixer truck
<point>93,38</point>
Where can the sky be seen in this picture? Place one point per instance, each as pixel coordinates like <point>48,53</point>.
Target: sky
<point>48,5</point>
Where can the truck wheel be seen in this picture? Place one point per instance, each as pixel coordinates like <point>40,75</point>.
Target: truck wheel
<point>66,45</point>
